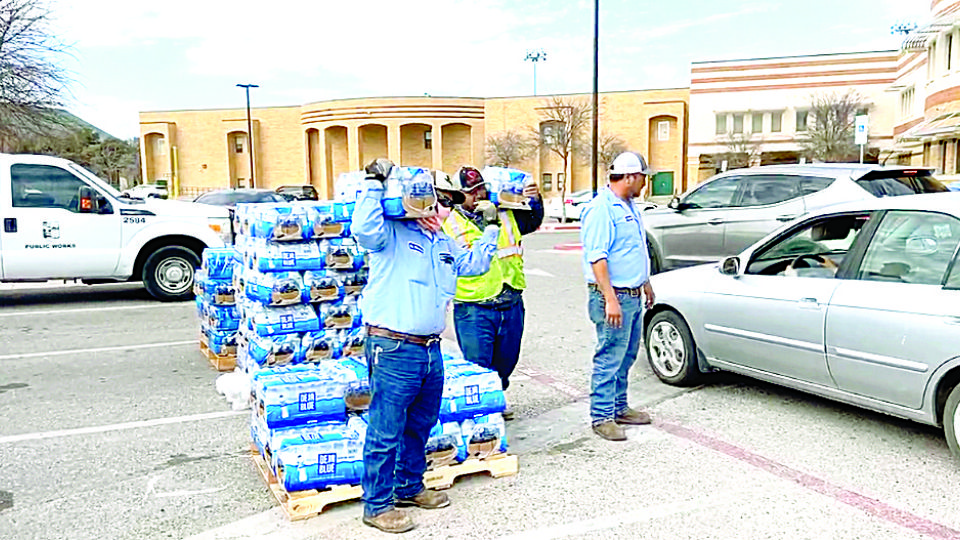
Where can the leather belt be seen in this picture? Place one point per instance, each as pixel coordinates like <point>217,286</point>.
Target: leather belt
<point>631,291</point>
<point>426,341</point>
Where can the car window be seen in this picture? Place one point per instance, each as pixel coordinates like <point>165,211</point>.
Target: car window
<point>714,194</point>
<point>953,281</point>
<point>811,184</point>
<point>766,189</point>
<point>911,247</point>
<point>45,186</point>
<point>216,197</point>
<point>894,183</point>
<point>816,249</point>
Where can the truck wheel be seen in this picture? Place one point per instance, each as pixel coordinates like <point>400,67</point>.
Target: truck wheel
<point>168,273</point>
<point>951,419</point>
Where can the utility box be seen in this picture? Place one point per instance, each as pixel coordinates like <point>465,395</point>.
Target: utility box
<point>662,184</point>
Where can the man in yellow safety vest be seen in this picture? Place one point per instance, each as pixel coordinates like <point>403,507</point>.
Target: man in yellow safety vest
<point>488,309</point>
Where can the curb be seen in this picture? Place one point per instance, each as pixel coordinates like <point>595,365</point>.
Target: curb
<point>569,247</point>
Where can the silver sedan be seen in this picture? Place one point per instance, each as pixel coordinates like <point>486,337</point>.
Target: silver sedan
<point>859,303</point>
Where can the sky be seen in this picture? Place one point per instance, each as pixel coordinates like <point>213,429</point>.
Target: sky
<point>128,56</point>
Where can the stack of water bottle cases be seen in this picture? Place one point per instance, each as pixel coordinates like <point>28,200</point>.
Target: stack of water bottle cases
<point>284,297</point>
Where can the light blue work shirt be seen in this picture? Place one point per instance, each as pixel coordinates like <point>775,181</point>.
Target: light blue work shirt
<point>611,229</point>
<point>413,273</point>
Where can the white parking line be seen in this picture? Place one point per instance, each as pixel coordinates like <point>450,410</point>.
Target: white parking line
<point>98,349</point>
<point>28,313</point>
<point>120,427</point>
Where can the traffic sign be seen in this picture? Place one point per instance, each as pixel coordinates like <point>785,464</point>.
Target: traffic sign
<point>861,130</point>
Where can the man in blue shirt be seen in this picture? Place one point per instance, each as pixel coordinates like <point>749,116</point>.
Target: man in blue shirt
<point>413,275</point>
<point>616,265</point>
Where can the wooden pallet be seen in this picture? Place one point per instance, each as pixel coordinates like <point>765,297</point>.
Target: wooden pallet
<point>221,362</point>
<point>299,505</point>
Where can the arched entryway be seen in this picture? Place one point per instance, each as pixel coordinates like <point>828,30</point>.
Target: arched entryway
<point>335,147</point>
<point>457,146</point>
<point>373,142</point>
<point>416,145</point>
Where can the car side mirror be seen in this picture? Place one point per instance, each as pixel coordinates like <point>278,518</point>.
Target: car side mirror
<point>674,203</point>
<point>87,202</point>
<point>730,266</point>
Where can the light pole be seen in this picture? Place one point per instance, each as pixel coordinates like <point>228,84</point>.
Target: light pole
<point>534,56</point>
<point>247,87</point>
<point>596,119</point>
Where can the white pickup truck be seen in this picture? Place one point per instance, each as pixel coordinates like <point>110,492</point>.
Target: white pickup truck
<point>62,222</point>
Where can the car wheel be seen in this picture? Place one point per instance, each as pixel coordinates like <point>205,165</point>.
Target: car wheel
<point>671,350</point>
<point>951,420</point>
<point>654,260</point>
<point>168,273</point>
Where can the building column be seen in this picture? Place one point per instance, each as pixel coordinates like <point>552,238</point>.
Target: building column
<point>353,148</point>
<point>325,182</point>
<point>393,143</point>
<point>437,147</point>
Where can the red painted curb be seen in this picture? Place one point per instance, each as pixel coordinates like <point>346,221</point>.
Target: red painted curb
<point>568,247</point>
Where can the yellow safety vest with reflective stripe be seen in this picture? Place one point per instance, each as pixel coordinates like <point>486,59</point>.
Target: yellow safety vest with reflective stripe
<point>505,267</point>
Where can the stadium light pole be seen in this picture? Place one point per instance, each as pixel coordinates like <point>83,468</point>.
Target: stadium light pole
<point>534,56</point>
<point>596,99</point>
<point>247,87</point>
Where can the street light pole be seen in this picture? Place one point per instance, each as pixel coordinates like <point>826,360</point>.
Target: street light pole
<point>596,99</point>
<point>534,56</point>
<point>247,87</point>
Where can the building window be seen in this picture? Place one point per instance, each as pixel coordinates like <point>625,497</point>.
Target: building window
<point>663,131</point>
<point>546,182</point>
<point>943,157</point>
<point>776,120</point>
<point>721,124</point>
<point>738,123</point>
<point>238,144</point>
<point>161,146</point>
<point>561,177</point>
<point>802,120</point>
<point>956,156</point>
<point>926,154</point>
<point>949,51</point>
<point>428,139</point>
<point>906,102</point>
<point>756,121</point>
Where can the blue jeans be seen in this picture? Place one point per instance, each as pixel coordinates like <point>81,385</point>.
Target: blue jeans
<point>616,352</point>
<point>490,336</point>
<point>407,383</point>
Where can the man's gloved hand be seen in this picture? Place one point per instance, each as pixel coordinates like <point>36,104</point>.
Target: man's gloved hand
<point>378,169</point>
<point>489,212</point>
<point>490,234</point>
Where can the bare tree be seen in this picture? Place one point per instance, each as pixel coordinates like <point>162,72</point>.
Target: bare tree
<point>508,148</point>
<point>741,150</point>
<point>562,121</point>
<point>830,126</point>
<point>609,147</point>
<point>32,82</point>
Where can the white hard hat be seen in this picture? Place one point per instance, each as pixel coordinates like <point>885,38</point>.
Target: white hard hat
<point>630,163</point>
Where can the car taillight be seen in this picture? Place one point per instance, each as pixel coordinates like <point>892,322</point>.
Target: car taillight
<point>568,201</point>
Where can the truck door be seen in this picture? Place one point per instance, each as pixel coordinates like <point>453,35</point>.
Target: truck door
<point>57,226</point>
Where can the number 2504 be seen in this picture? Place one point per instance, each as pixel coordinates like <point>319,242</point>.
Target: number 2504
<point>134,220</point>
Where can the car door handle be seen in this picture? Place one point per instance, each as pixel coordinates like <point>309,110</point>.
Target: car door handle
<point>786,218</point>
<point>10,225</point>
<point>809,303</point>
<point>715,221</point>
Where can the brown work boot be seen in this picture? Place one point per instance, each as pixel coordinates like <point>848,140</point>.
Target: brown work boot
<point>609,430</point>
<point>391,521</point>
<point>633,418</point>
<point>428,498</point>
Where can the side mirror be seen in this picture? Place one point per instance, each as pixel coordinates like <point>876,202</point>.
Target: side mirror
<point>87,200</point>
<point>730,266</point>
<point>674,203</point>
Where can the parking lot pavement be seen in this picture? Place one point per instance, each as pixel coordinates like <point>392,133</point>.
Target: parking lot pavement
<point>112,429</point>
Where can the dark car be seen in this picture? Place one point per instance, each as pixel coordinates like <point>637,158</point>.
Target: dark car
<point>300,193</point>
<point>230,197</point>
